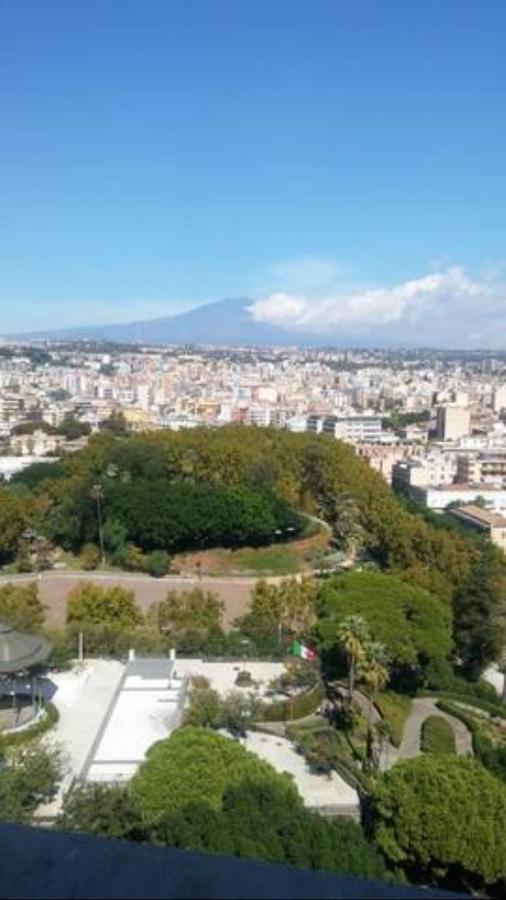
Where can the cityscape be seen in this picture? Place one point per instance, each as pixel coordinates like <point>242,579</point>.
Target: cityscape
<point>252,449</point>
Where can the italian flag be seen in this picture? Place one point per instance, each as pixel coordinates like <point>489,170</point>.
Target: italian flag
<point>303,652</point>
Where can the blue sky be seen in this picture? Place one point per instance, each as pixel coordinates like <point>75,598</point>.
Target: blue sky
<point>157,154</point>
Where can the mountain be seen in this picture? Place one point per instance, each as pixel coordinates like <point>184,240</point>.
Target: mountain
<point>224,322</point>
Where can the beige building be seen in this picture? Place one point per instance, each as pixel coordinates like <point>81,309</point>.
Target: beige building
<point>452,422</point>
<point>484,520</point>
<point>485,467</point>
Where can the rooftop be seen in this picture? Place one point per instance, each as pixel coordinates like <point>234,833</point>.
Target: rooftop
<point>486,517</point>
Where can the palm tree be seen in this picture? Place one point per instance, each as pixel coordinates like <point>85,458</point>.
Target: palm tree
<point>353,635</point>
<point>373,672</point>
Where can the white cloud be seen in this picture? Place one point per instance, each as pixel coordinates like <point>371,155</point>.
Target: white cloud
<point>449,292</point>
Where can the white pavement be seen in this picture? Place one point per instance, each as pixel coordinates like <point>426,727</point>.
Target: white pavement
<point>317,791</point>
<point>147,710</point>
<point>222,675</point>
<point>82,699</point>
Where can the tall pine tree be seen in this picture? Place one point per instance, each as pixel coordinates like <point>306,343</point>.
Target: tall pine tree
<point>480,613</point>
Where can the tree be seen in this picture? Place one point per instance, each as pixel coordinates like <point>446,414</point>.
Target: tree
<point>72,428</point>
<point>480,613</point>
<point>374,674</point>
<point>15,515</point>
<point>158,563</point>
<point>107,810</point>
<point>286,608</point>
<point>204,709</point>
<point>115,537</point>
<point>90,604</point>
<point>194,610</point>
<point>298,605</point>
<point>20,606</point>
<point>29,778</point>
<point>239,711</point>
<point>347,526</point>
<point>115,424</point>
<point>413,625</point>
<point>259,821</point>
<point>89,557</point>
<point>196,765</point>
<point>352,635</point>
<point>442,818</point>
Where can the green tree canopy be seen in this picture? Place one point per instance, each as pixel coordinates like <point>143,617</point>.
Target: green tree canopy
<point>90,604</point>
<point>196,765</point>
<point>21,607</point>
<point>29,778</point>
<point>413,625</point>
<point>259,821</point>
<point>442,817</point>
<point>480,612</point>
<point>106,810</point>
<point>193,610</point>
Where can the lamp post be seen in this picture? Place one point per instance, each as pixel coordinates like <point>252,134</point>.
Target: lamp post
<point>97,492</point>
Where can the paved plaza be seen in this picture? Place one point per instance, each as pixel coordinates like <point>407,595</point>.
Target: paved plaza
<point>317,791</point>
<point>146,708</point>
<point>111,713</point>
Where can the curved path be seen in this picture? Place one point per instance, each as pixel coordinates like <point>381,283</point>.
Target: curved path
<point>423,707</point>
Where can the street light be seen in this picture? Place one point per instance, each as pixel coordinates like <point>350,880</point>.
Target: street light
<point>97,493</point>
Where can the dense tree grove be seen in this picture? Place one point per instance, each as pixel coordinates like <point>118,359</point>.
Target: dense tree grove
<point>310,472</point>
<point>171,491</point>
<point>413,625</point>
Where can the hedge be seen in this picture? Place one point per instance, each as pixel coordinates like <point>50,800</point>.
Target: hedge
<point>302,705</point>
<point>437,736</point>
<point>17,738</point>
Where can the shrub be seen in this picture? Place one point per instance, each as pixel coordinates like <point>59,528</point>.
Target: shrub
<point>90,557</point>
<point>132,558</point>
<point>244,679</point>
<point>296,708</point>
<point>158,563</point>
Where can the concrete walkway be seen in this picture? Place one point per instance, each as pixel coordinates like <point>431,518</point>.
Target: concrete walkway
<point>422,708</point>
<point>82,698</point>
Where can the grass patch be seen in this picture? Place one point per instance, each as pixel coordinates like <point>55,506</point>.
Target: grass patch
<point>272,560</point>
<point>395,709</point>
<point>437,736</point>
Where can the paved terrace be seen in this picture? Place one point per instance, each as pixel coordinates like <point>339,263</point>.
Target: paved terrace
<point>145,708</point>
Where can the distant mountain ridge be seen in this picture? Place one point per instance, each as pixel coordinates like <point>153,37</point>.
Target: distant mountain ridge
<point>223,322</point>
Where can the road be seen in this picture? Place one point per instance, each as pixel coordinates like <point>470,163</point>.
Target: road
<point>54,588</point>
